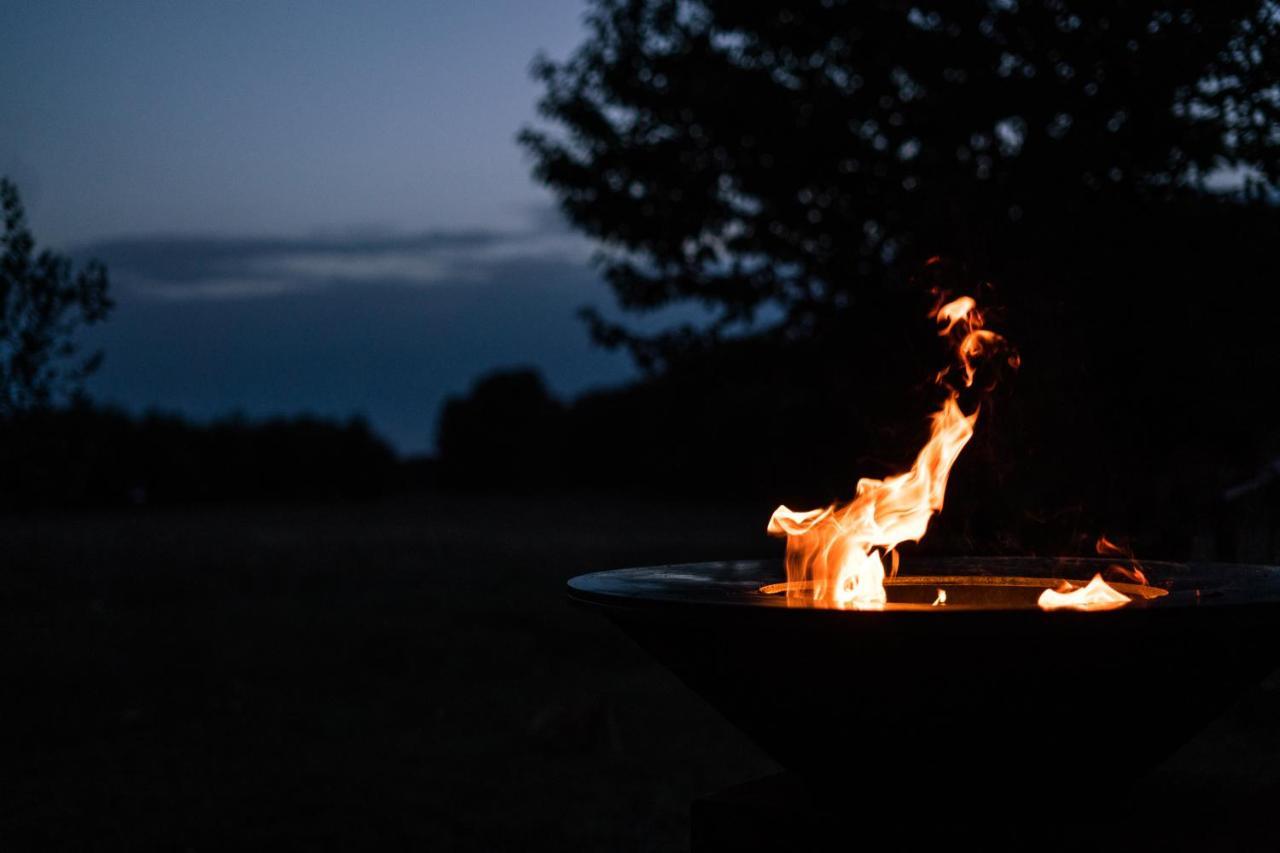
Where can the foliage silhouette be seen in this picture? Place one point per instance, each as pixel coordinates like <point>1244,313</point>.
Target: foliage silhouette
<point>83,455</point>
<point>506,432</point>
<point>802,156</point>
<point>42,305</point>
<point>791,166</point>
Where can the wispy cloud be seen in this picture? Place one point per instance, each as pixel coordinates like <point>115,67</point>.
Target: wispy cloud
<point>387,326</point>
<point>201,268</point>
<point>381,323</point>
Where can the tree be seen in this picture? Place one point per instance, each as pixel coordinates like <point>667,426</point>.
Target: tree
<point>791,166</point>
<point>802,158</point>
<point>505,432</point>
<point>43,304</point>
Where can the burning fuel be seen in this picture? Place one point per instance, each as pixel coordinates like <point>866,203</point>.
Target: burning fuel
<point>1095,595</point>
<point>1131,570</point>
<point>835,555</point>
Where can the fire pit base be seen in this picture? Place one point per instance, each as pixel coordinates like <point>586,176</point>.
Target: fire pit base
<point>1216,793</point>
<point>984,704</point>
<point>776,813</point>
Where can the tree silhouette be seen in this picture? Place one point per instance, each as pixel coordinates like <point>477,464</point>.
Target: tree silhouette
<point>804,156</point>
<point>505,432</point>
<point>1111,172</point>
<point>42,305</point>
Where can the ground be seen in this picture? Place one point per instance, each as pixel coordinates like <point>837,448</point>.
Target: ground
<point>408,674</point>
<point>397,674</point>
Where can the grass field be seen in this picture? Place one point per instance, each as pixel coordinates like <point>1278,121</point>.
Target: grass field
<point>391,675</point>
<point>408,675</point>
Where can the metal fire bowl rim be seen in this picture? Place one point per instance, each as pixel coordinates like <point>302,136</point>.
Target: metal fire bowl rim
<point>736,585</point>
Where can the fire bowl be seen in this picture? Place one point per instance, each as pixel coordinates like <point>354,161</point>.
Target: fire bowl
<point>988,699</point>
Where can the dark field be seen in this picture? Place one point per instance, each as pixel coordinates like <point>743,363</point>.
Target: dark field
<point>384,675</point>
<point>408,674</point>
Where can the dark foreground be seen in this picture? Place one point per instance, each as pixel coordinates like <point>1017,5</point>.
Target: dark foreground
<point>409,675</point>
<point>381,676</point>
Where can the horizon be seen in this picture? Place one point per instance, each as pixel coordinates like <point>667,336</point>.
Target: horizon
<point>290,139</point>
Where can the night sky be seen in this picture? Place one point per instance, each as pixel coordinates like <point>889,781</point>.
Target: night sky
<point>305,207</point>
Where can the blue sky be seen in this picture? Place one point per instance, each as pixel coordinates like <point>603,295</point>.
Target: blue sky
<point>305,206</point>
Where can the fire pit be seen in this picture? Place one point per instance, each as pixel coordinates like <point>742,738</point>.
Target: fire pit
<point>987,698</point>
<point>985,690</point>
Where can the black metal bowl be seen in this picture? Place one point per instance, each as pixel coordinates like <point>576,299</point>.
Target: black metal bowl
<point>989,699</point>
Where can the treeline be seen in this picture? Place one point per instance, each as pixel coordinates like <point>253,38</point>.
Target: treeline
<point>1149,355</point>
<point>90,456</point>
<point>714,428</point>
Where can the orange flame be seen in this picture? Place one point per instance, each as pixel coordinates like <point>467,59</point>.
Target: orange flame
<point>1095,595</point>
<point>835,554</point>
<point>956,311</point>
<point>1106,548</point>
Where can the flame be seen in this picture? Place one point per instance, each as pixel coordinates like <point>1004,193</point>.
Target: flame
<point>954,312</point>
<point>1096,595</point>
<point>835,554</point>
<point>941,599</point>
<point>1106,548</point>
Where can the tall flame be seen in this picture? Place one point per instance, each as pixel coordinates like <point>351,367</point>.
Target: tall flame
<point>834,555</point>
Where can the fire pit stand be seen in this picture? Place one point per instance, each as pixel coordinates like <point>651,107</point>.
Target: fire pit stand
<point>976,714</point>
<point>1172,810</point>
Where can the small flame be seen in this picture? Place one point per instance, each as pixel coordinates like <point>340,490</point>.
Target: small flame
<point>1096,595</point>
<point>1106,548</point>
<point>835,553</point>
<point>941,599</point>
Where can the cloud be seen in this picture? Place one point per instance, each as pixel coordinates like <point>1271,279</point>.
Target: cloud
<point>383,324</point>
<point>171,268</point>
